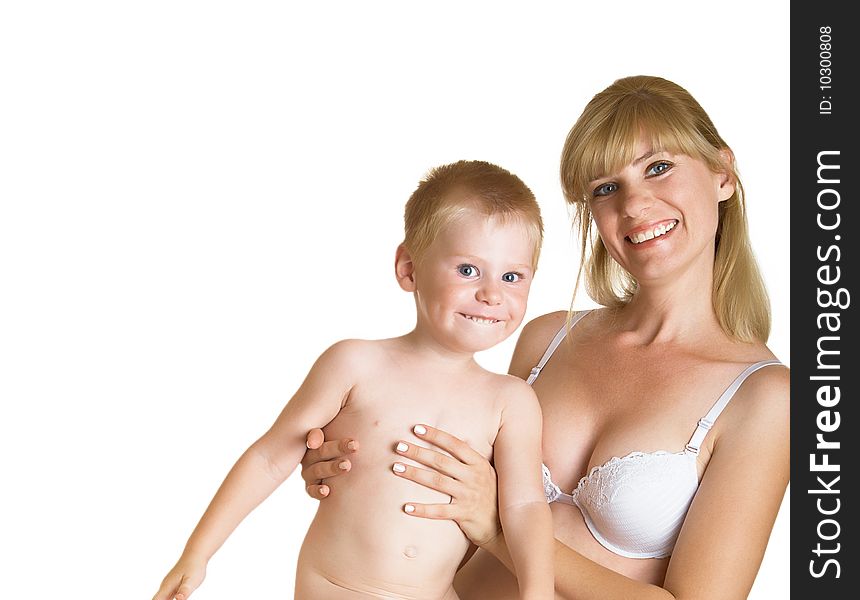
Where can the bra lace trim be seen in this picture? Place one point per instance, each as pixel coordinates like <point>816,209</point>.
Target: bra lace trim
<point>604,480</point>
<point>610,468</point>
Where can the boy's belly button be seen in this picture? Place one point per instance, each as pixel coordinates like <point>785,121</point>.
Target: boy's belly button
<point>410,552</point>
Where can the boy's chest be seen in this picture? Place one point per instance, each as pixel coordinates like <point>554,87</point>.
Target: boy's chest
<point>381,414</point>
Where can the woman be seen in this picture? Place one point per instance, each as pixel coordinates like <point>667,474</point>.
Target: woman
<point>666,417</point>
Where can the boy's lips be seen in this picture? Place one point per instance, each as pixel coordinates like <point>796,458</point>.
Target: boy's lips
<point>483,320</point>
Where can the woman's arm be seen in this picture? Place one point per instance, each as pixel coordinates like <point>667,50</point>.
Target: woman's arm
<point>263,467</point>
<point>578,578</point>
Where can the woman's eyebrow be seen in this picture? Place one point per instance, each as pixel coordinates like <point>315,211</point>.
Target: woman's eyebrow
<point>651,152</point>
<point>648,154</point>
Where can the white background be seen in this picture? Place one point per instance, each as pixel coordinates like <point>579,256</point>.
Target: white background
<point>199,197</point>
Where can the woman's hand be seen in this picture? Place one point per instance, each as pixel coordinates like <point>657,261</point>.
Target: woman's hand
<point>468,478</point>
<point>182,579</point>
<point>323,460</point>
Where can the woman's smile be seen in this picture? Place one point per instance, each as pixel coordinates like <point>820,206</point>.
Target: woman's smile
<point>650,232</point>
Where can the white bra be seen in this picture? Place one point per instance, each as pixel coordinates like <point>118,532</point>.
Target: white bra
<point>635,505</point>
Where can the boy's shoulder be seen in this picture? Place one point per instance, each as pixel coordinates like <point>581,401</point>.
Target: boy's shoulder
<point>351,353</point>
<point>353,347</point>
<point>512,389</point>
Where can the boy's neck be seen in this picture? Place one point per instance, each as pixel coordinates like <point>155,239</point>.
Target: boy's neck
<point>425,347</point>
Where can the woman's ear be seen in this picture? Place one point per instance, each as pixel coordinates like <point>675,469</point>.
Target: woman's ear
<point>404,269</point>
<point>727,175</point>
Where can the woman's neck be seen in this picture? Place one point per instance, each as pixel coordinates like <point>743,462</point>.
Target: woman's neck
<point>677,307</point>
<point>676,312</point>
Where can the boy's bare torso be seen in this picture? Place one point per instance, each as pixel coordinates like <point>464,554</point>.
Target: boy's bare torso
<point>361,544</point>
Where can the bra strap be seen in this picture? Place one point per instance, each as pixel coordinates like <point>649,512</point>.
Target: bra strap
<point>706,422</point>
<point>554,344</point>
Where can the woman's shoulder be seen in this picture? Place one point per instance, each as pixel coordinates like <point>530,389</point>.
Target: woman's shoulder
<point>767,388</point>
<point>545,324</point>
<point>554,320</point>
<point>769,380</point>
<point>542,329</point>
<point>760,406</point>
<point>536,337</point>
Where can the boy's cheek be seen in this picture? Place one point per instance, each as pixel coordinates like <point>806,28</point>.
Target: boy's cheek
<point>518,305</point>
<point>525,294</point>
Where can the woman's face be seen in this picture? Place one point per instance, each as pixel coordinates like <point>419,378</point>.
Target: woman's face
<point>658,215</point>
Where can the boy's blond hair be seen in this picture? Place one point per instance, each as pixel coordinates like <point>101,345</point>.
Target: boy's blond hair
<point>447,191</point>
<point>604,139</point>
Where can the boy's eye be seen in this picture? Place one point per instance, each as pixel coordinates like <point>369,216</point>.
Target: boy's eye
<point>511,277</point>
<point>468,270</point>
<point>659,168</point>
<point>605,189</point>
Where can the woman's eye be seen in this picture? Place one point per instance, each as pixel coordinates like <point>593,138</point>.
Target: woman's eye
<point>468,270</point>
<point>659,168</point>
<point>605,189</point>
<point>511,277</point>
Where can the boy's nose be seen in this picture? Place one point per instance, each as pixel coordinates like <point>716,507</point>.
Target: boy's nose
<point>489,294</point>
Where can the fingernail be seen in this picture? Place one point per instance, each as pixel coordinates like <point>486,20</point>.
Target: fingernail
<point>398,468</point>
<point>351,445</point>
<point>401,447</point>
<point>409,508</point>
<point>419,429</point>
<point>324,490</point>
<point>343,465</point>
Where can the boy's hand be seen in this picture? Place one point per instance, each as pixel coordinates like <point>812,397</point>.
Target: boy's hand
<point>182,579</point>
<point>466,476</point>
<point>323,460</point>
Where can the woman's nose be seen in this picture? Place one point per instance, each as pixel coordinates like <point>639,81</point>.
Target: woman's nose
<point>636,201</point>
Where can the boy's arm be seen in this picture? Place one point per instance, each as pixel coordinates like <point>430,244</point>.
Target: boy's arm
<point>523,510</point>
<point>265,464</point>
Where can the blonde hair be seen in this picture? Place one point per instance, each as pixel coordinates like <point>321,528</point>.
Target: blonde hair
<point>604,139</point>
<point>485,187</point>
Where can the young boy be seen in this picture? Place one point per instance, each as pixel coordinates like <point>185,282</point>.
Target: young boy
<point>473,235</point>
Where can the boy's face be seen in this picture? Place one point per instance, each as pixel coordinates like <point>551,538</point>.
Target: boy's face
<point>472,286</point>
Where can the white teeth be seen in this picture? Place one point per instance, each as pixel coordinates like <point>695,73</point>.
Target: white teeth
<point>642,236</point>
<point>481,321</point>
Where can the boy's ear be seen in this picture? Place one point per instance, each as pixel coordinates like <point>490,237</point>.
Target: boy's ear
<point>404,269</point>
<point>727,180</point>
